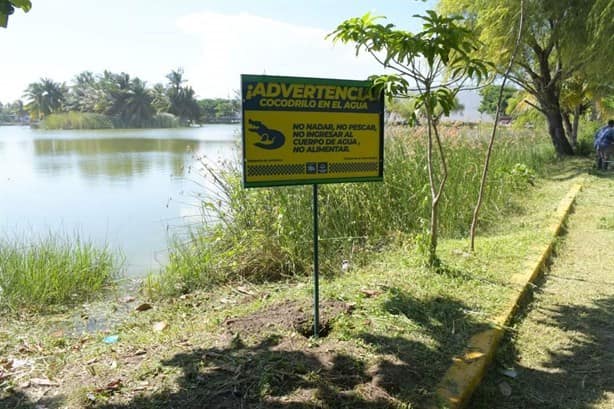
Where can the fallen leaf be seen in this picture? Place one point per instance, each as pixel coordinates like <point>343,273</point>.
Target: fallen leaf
<point>140,352</point>
<point>58,334</point>
<point>184,343</point>
<point>127,299</point>
<point>143,307</point>
<point>245,290</point>
<point>110,387</point>
<point>18,363</point>
<point>370,293</point>
<point>43,382</point>
<point>160,326</point>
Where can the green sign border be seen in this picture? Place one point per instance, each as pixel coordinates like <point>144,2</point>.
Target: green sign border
<point>315,81</point>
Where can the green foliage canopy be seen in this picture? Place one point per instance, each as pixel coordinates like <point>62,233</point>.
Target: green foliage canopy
<point>563,41</point>
<point>490,96</point>
<point>125,100</point>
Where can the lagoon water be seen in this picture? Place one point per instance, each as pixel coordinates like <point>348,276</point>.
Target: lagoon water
<point>129,189</point>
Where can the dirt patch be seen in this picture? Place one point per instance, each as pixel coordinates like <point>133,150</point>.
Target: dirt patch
<point>292,315</point>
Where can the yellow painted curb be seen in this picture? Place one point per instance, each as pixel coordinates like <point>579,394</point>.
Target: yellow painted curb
<point>467,370</point>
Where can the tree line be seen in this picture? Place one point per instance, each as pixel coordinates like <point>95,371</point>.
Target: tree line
<point>127,100</point>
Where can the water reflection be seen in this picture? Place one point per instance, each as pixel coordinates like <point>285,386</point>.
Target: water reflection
<point>126,188</point>
<point>113,157</point>
<point>110,145</point>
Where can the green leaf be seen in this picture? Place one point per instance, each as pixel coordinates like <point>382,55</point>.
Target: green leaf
<point>25,5</point>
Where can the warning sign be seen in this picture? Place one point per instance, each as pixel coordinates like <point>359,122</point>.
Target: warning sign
<point>310,130</point>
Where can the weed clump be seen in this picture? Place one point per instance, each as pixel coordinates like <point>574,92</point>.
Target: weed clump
<point>53,270</point>
<point>266,234</point>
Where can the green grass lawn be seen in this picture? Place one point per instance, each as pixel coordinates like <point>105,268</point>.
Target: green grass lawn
<point>561,346</point>
<point>390,328</point>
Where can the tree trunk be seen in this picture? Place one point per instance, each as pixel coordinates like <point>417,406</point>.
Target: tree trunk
<point>568,128</point>
<point>432,255</point>
<point>548,95</point>
<point>574,128</point>
<point>557,132</point>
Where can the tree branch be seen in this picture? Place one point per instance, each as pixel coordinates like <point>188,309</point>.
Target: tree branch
<point>526,101</point>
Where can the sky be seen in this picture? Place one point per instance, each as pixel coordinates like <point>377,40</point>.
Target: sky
<point>213,41</point>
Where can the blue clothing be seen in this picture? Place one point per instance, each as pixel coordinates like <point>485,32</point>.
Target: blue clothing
<point>605,137</point>
<point>598,134</point>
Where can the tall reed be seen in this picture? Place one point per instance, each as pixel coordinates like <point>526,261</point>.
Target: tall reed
<point>53,270</point>
<point>90,120</point>
<point>77,120</point>
<point>266,234</point>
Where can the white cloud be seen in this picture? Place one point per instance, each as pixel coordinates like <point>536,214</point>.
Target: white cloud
<point>247,44</point>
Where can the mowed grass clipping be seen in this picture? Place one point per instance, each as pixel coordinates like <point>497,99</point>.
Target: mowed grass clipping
<point>559,348</point>
<point>53,270</point>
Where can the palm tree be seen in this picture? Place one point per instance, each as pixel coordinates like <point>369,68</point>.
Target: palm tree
<point>137,109</point>
<point>161,102</point>
<point>175,78</point>
<point>83,95</point>
<point>115,89</point>
<point>45,97</point>
<point>182,99</point>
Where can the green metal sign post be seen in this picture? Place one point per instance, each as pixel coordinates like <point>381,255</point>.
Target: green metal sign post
<point>316,266</point>
<point>309,131</point>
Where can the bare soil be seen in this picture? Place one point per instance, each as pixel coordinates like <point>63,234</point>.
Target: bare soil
<point>290,315</point>
<point>261,360</point>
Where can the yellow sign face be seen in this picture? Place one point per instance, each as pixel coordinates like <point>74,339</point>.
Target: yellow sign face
<point>309,131</point>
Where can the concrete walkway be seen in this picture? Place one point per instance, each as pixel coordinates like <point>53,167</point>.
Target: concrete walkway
<point>560,352</point>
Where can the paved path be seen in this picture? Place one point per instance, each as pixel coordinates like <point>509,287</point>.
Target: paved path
<point>561,351</point>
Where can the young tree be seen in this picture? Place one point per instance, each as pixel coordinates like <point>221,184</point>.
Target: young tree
<point>561,39</point>
<point>499,108</point>
<point>429,67</point>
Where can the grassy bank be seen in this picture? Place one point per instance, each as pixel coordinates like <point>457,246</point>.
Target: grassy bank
<point>89,120</point>
<point>390,329</point>
<point>265,234</point>
<point>53,270</point>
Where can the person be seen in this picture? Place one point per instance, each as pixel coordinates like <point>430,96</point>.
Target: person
<point>604,144</point>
